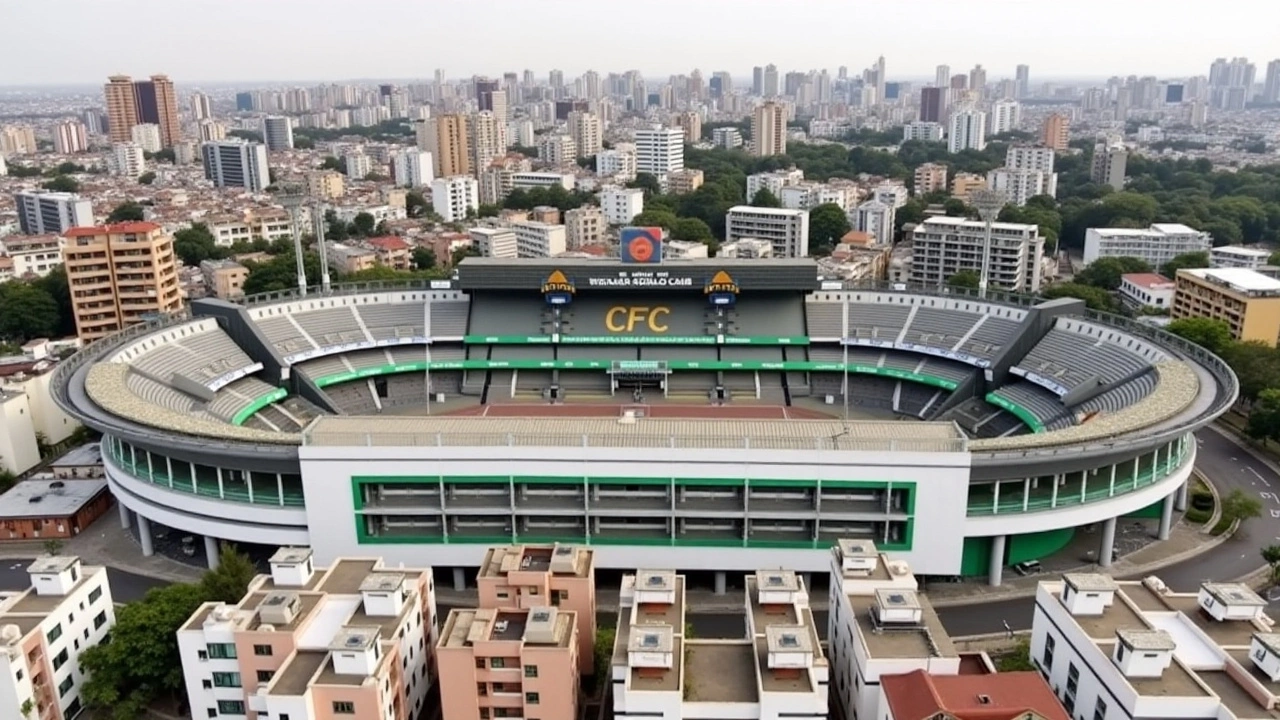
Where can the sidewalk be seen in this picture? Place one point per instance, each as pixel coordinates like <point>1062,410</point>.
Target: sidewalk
<point>106,543</point>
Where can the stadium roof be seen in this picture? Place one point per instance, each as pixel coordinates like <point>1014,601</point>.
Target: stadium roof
<point>455,431</point>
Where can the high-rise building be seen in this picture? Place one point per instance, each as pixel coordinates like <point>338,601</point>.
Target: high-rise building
<point>620,205</point>
<point>244,101</point>
<point>125,274</point>
<point>351,641</point>
<point>942,76</point>
<point>277,133</point>
<point>1109,161</point>
<point>880,80</point>
<point>357,164</point>
<point>968,131</point>
<point>212,131</point>
<point>66,610</point>
<point>1231,83</point>
<point>236,163</point>
<point>875,219</point>
<point>127,159</point>
<point>659,151</point>
<point>933,104</point>
<point>929,177</point>
<point>18,140</point>
<point>412,168</point>
<point>69,137</point>
<point>1271,86</point>
<point>325,184</point>
<point>1022,82</point>
<point>691,122</point>
<point>147,136</point>
<point>201,106</point>
<point>757,81</point>
<point>770,81</point>
<point>769,130</point>
<point>557,149</point>
<point>122,107</point>
<point>448,141</point>
<point>585,129</point>
<point>944,246</point>
<point>1055,134</point>
<point>787,231</point>
<point>584,226</point>
<point>978,79</point>
<point>960,82</point>
<point>144,101</point>
<point>452,197</point>
<point>1005,116</point>
<point>45,213</point>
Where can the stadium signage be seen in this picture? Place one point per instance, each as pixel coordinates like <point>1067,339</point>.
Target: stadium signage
<point>295,358</point>
<point>923,349</point>
<point>557,289</point>
<point>622,318</point>
<point>1040,380</point>
<point>641,279</point>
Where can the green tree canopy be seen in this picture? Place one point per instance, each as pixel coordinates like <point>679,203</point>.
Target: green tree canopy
<point>1185,261</point>
<point>424,258</point>
<point>1094,298</point>
<point>827,224</point>
<point>62,183</point>
<point>766,199</point>
<point>362,225</point>
<point>1105,272</point>
<point>128,211</point>
<point>281,273</point>
<point>1257,367</point>
<point>968,279</point>
<point>1212,335</point>
<point>27,311</point>
<point>332,163</point>
<point>146,178</point>
<point>229,581</point>
<point>195,244</point>
<point>647,182</point>
<point>692,229</point>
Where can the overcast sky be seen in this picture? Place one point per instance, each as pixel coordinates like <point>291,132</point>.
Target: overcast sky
<point>83,41</point>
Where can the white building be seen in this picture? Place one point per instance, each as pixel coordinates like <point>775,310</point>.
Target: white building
<point>357,165</point>
<point>529,180</point>
<point>746,249</point>
<point>659,151</point>
<point>277,133</point>
<point>587,132</point>
<point>235,163</point>
<point>1117,650</point>
<point>617,163</point>
<point>1147,290</point>
<point>777,671</point>
<point>495,242</point>
<point>726,137</point>
<point>1156,245</point>
<point>67,610</point>
<point>127,159</point>
<point>620,205</point>
<point>41,213</point>
<point>892,194</point>
<point>1233,256</point>
<point>19,451</point>
<point>539,240</point>
<point>968,131</point>
<point>787,230</point>
<point>1029,157</point>
<point>413,168</point>
<point>876,219</point>
<point>148,136</point>
<point>1006,116</point>
<point>878,624</point>
<point>943,246</point>
<point>69,137</point>
<point>923,131</point>
<point>1021,185</point>
<point>453,197</point>
<point>32,255</point>
<point>685,250</point>
<point>773,181</point>
<point>520,132</point>
<point>557,149</point>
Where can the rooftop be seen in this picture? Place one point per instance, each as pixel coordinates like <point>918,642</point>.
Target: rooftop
<point>116,229</point>
<point>1242,251</point>
<point>89,454</point>
<point>917,695</point>
<point>929,639</point>
<point>1241,279</point>
<point>720,671</point>
<point>49,498</point>
<point>295,676</point>
<point>1146,280</point>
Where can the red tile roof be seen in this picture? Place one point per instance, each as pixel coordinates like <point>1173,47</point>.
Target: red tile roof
<point>1146,279</point>
<point>389,242</point>
<point>125,227</point>
<point>918,695</point>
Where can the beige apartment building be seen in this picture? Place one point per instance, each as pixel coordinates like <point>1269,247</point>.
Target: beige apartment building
<point>351,642</point>
<point>120,275</point>
<point>325,184</point>
<point>509,664</point>
<point>527,576</point>
<point>392,251</point>
<point>451,151</point>
<point>122,109</point>
<point>584,226</point>
<point>965,184</point>
<point>683,182</point>
<point>224,279</point>
<point>769,130</point>
<point>930,177</point>
<point>1246,300</point>
<point>1056,132</point>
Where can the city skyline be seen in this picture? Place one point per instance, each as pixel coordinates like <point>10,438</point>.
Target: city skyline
<point>998,34</point>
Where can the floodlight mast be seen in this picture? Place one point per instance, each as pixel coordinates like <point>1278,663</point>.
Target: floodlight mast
<point>292,198</point>
<point>988,203</point>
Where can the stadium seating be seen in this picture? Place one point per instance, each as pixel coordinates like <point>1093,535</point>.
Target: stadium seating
<point>946,369</point>
<point>203,358</point>
<point>1122,396</point>
<point>938,328</point>
<point>230,399</point>
<point>915,399</point>
<point>159,394</point>
<point>332,326</point>
<point>1039,402</point>
<point>353,398</point>
<point>824,319</point>
<point>406,390</point>
<point>449,319</point>
<point>988,338</point>
<point>877,320</point>
<point>1069,358</point>
<point>328,365</point>
<point>388,321</point>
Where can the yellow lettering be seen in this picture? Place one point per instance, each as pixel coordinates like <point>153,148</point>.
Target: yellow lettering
<point>622,318</point>
<point>609,319</point>
<point>654,325</point>
<point>635,315</point>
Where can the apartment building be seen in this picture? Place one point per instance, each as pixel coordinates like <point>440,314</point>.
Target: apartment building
<point>147,137</point>
<point>454,197</point>
<point>69,137</point>
<point>557,150</point>
<point>528,576</point>
<point>1056,132</point>
<point>685,250</point>
<point>392,251</point>
<point>346,258</point>
<point>879,625</point>
<point>683,182</point>
<point>268,224</point>
<point>786,230</point>
<point>769,130</point>
<point>917,695</point>
<point>876,219</point>
<point>584,226</point>
<point>968,131</point>
<point>32,255</point>
<point>620,205</point>
<point>224,279</point>
<point>412,168</point>
<point>1109,162</point>
<point>1146,290</point>
<point>617,163</point>
<point>943,246</point>
<point>325,184</point>
<point>690,122</point>
<point>963,185</point>
<point>519,663</point>
<point>745,249</point>
<point>1155,245</point>
<point>777,671</point>
<point>1246,300</point>
<point>726,137</point>
<point>277,133</point>
<point>43,629</point>
<point>587,132</point>
<point>152,101</point>
<point>930,177</point>
<point>659,151</point>
<point>923,131</point>
<point>18,140</point>
<point>350,641</point>
<point>1028,172</point>
<point>539,240</point>
<point>1116,650</point>
<point>528,179</point>
<point>127,159</point>
<point>120,275</point>
<point>893,194</point>
<point>236,164</point>
<point>51,213</point>
<point>1005,116</point>
<point>495,242</point>
<point>356,164</point>
<point>773,181</point>
<point>487,138</point>
<point>448,140</point>
<point>1233,256</point>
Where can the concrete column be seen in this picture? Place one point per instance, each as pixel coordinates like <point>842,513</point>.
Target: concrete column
<point>1166,517</point>
<point>124,516</point>
<point>808,581</point>
<point>459,579</point>
<point>144,535</point>
<point>1180,504</point>
<point>996,570</point>
<point>721,580</point>
<point>1108,542</point>
<point>211,554</point>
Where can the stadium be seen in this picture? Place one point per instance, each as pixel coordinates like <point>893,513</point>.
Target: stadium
<point>698,414</point>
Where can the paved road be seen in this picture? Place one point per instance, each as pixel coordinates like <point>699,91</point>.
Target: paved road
<point>125,586</point>
<point>1230,467</point>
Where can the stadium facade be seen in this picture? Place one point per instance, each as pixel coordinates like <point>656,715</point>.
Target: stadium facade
<point>701,414</point>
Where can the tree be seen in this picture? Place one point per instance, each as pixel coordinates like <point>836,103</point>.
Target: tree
<point>827,224</point>
<point>955,207</point>
<point>195,244</point>
<point>55,285</point>
<point>693,230</point>
<point>647,182</point>
<point>249,135</point>
<point>765,198</point>
<point>363,224</point>
<point>52,546</point>
<point>228,582</point>
<point>968,279</point>
<point>303,143</point>
<point>139,661</point>
<point>332,163</point>
<point>128,211</point>
<point>67,168</point>
<point>1094,298</point>
<point>415,205</point>
<point>424,258</point>
<point>1212,335</point>
<point>165,155</point>
<point>62,183</point>
<point>1256,365</point>
<point>281,273</point>
<point>487,210</point>
<point>1105,272</point>
<point>1185,261</point>
<point>1018,659</point>
<point>1264,416</point>
<point>465,251</point>
<point>1271,555</point>
<point>1239,506</point>
<point>26,312</point>
<point>146,178</point>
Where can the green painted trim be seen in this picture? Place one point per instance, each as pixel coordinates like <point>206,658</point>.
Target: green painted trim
<point>631,340</point>
<point>257,404</point>
<point>476,479</point>
<point>776,483</point>
<point>1026,416</point>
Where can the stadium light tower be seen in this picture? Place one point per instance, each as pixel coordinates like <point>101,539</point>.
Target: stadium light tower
<point>292,196</point>
<point>317,211</point>
<point>988,203</point>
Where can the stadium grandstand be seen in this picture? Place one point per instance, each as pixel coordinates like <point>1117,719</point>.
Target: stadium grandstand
<point>651,410</point>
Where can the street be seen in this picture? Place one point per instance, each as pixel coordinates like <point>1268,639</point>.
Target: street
<point>125,586</point>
